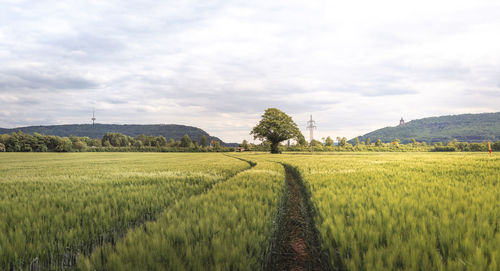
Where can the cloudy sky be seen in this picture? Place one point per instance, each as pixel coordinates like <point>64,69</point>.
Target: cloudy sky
<point>354,65</point>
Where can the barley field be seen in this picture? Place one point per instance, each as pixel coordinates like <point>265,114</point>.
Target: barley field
<point>213,211</point>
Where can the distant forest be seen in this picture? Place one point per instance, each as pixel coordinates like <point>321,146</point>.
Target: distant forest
<point>463,128</point>
<point>96,131</point>
<point>22,142</point>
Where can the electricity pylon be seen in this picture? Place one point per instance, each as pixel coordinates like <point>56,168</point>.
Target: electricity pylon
<point>311,126</point>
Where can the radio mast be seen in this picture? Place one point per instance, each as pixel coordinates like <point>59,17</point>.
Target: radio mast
<point>93,117</point>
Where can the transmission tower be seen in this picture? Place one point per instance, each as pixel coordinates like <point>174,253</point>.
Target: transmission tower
<point>311,126</point>
<point>93,117</point>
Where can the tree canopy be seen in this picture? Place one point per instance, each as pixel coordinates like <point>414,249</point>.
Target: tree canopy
<point>186,141</point>
<point>276,126</point>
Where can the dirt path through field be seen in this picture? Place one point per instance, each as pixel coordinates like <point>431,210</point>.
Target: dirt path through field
<point>295,244</point>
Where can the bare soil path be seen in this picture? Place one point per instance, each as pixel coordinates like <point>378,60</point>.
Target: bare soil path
<point>295,244</point>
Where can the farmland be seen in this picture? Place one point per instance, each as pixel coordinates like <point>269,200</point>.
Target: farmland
<point>414,211</point>
<point>54,207</point>
<point>171,211</point>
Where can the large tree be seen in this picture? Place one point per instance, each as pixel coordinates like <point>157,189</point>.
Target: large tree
<point>276,126</point>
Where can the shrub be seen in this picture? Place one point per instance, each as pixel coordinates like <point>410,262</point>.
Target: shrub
<point>495,146</point>
<point>443,149</point>
<point>478,147</point>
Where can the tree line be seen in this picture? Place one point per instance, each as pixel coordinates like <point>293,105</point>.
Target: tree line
<point>22,142</point>
<point>328,145</point>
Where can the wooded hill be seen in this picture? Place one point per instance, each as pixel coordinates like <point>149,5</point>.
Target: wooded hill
<point>464,128</point>
<point>98,130</point>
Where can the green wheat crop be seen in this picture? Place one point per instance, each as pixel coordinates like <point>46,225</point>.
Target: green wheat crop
<point>54,207</point>
<point>227,228</point>
<point>373,211</point>
<point>409,211</point>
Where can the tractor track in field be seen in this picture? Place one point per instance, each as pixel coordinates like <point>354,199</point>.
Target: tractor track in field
<point>295,245</point>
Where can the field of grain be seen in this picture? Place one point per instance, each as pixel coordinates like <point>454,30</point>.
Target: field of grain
<point>408,211</point>
<point>54,207</point>
<point>212,211</point>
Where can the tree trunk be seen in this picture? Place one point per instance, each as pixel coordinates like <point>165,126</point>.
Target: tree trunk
<point>275,147</point>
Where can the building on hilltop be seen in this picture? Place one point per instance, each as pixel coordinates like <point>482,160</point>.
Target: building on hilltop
<point>401,122</point>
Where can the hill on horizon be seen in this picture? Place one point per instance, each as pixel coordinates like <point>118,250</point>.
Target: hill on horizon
<point>465,127</point>
<point>98,130</point>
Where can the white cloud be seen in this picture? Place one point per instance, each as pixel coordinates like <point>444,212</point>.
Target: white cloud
<point>354,65</point>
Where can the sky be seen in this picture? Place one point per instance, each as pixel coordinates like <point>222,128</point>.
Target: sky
<point>355,66</point>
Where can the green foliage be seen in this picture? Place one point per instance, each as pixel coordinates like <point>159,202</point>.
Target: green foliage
<point>117,139</point>
<point>464,128</point>
<point>275,127</point>
<point>63,145</point>
<point>368,141</point>
<point>21,142</point>
<point>495,146</point>
<point>186,141</point>
<point>79,146</point>
<point>161,141</point>
<point>244,145</point>
<point>171,143</point>
<point>115,142</point>
<point>2,147</point>
<point>329,142</point>
<point>301,140</point>
<point>316,143</point>
<point>379,146</point>
<point>54,207</point>
<point>98,130</point>
<point>217,145</point>
<point>478,147</point>
<point>342,141</point>
<point>138,144</point>
<point>443,149</point>
<point>203,141</point>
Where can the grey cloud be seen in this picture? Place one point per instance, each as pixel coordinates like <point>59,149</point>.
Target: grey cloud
<point>387,92</point>
<point>88,43</point>
<point>377,88</point>
<point>28,102</point>
<point>31,79</point>
<point>250,103</point>
<point>116,100</point>
<point>447,70</point>
<point>194,61</point>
